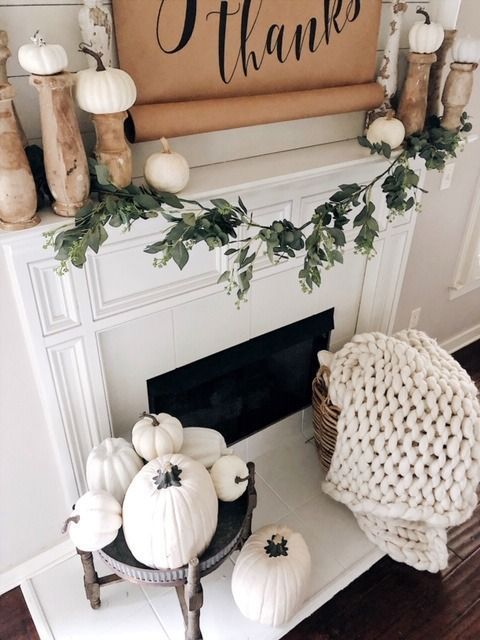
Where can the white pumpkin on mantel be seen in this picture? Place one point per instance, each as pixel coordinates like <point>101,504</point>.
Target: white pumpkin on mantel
<point>111,466</point>
<point>466,50</point>
<point>427,36</point>
<point>230,478</point>
<point>271,575</point>
<point>94,521</point>
<point>167,170</point>
<point>203,444</point>
<point>42,59</point>
<point>154,435</point>
<point>386,129</point>
<point>170,512</point>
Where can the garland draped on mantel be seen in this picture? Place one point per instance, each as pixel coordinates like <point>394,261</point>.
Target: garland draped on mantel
<point>320,241</point>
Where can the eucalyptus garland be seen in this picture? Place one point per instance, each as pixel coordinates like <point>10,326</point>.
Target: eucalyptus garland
<point>319,242</point>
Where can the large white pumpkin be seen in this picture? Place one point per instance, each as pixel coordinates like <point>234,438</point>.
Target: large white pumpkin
<point>42,59</point>
<point>466,50</point>
<point>170,512</point>
<point>387,129</point>
<point>204,445</point>
<point>166,170</point>
<point>230,478</point>
<point>94,521</point>
<point>154,435</point>
<point>104,90</point>
<point>271,575</point>
<point>426,37</point>
<point>111,466</point>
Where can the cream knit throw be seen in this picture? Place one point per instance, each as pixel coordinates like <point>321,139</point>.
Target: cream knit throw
<point>407,456</point>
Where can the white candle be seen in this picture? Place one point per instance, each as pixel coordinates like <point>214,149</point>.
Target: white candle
<point>447,13</point>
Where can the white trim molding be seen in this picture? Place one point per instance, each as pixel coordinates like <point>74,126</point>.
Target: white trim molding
<point>461,340</point>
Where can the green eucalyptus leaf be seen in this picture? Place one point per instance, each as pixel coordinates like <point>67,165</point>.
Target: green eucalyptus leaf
<point>180,255</point>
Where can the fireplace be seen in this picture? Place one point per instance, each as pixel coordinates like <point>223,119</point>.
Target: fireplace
<point>244,389</point>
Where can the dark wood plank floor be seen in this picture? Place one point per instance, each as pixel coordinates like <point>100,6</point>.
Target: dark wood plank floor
<point>389,602</point>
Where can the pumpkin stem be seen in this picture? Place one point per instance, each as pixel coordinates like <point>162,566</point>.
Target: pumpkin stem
<point>154,420</point>
<point>422,12</point>
<point>275,549</point>
<point>84,48</point>
<point>168,477</point>
<point>166,145</point>
<point>238,480</point>
<point>37,39</point>
<point>75,519</point>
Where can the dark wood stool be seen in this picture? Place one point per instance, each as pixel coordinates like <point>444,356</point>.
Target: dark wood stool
<point>233,528</point>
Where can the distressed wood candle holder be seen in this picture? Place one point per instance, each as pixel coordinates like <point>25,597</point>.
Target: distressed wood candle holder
<point>65,159</point>
<point>112,149</point>
<point>4,56</point>
<point>413,103</point>
<point>18,197</point>
<point>457,93</point>
<point>435,83</point>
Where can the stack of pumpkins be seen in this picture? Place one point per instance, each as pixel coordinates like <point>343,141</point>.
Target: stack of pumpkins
<point>163,529</point>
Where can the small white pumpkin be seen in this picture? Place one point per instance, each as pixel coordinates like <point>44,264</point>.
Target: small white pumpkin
<point>271,575</point>
<point>230,478</point>
<point>155,435</point>
<point>94,521</point>
<point>387,129</point>
<point>426,37</point>
<point>204,445</point>
<point>170,512</point>
<point>466,50</point>
<point>42,59</point>
<point>111,466</point>
<point>104,90</point>
<point>167,170</point>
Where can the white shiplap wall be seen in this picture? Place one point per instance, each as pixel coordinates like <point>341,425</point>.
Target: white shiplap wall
<point>58,23</point>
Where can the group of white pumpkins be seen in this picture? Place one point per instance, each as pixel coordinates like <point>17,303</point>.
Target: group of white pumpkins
<point>168,506</point>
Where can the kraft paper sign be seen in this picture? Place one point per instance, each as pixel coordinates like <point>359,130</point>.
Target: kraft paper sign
<point>205,65</point>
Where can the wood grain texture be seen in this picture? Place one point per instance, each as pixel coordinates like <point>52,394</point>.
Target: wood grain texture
<point>15,620</point>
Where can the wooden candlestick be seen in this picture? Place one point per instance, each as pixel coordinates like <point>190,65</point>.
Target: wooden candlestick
<point>457,93</point>
<point>112,149</point>
<point>65,159</point>
<point>436,74</point>
<point>18,197</point>
<point>413,104</point>
<point>4,56</point>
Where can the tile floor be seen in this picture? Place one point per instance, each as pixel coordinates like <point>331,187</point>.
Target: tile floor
<point>289,491</point>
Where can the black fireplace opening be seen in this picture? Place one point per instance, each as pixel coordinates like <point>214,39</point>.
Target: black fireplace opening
<point>250,386</point>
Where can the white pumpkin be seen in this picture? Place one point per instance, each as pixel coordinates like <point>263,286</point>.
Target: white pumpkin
<point>466,50</point>
<point>387,129</point>
<point>104,90</point>
<point>155,435</point>
<point>167,170</point>
<point>271,575</point>
<point>42,59</point>
<point>204,445</point>
<point>111,466</point>
<point>230,478</point>
<point>170,512</point>
<point>94,521</point>
<point>426,37</point>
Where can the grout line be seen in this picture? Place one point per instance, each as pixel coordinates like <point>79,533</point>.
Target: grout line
<point>154,611</point>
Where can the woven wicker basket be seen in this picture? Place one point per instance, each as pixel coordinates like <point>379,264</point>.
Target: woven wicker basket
<point>325,417</point>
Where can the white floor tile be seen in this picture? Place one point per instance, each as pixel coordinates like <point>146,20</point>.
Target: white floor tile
<point>270,507</point>
<point>288,430</point>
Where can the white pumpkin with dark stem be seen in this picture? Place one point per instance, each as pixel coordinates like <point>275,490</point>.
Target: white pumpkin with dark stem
<point>203,444</point>
<point>94,521</point>
<point>271,575</point>
<point>167,170</point>
<point>42,59</point>
<point>426,37</point>
<point>170,512</point>
<point>387,129</point>
<point>111,466</point>
<point>230,478</point>
<point>154,435</point>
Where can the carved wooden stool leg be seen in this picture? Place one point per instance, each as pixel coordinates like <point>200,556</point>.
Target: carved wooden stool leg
<point>194,601</point>
<point>90,579</point>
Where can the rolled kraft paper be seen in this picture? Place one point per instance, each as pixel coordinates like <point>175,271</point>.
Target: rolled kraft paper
<point>153,121</point>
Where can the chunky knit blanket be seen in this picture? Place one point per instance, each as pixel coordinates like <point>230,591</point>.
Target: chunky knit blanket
<point>407,456</point>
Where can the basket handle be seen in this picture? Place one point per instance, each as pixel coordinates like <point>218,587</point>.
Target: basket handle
<point>324,372</point>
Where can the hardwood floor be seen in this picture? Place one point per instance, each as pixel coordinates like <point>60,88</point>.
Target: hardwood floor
<point>389,602</point>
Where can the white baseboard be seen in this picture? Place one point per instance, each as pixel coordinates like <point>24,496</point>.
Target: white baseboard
<point>22,572</point>
<point>462,339</point>
<point>36,611</point>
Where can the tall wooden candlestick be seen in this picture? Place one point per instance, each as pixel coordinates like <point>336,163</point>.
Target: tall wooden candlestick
<point>65,159</point>
<point>112,149</point>
<point>457,93</point>
<point>435,84</point>
<point>4,56</point>
<point>413,104</point>
<point>18,197</point>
